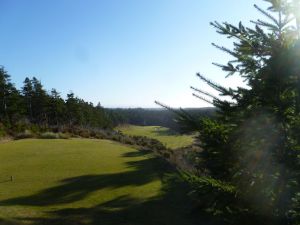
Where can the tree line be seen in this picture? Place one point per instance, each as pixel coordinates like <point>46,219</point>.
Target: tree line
<point>33,105</point>
<point>156,117</point>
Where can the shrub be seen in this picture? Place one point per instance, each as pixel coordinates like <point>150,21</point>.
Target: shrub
<point>35,128</point>
<point>52,135</point>
<point>93,134</point>
<point>49,135</point>
<point>84,133</point>
<point>21,126</point>
<point>64,135</point>
<point>166,155</point>
<point>25,134</point>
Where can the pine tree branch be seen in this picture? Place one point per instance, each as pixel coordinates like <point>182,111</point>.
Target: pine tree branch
<point>166,107</point>
<point>266,24</point>
<point>223,90</point>
<point>234,54</point>
<point>203,92</point>
<point>228,68</point>
<point>203,99</point>
<point>268,15</point>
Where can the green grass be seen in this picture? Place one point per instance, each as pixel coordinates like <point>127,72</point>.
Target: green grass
<point>80,181</point>
<point>164,135</point>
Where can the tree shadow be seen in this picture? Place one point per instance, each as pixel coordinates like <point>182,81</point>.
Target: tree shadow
<point>139,153</point>
<point>77,188</point>
<point>8,222</point>
<point>172,206</point>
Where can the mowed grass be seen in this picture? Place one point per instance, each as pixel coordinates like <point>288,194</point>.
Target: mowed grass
<point>163,134</point>
<point>84,181</point>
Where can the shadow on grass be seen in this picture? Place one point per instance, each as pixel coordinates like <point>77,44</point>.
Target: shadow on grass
<point>139,153</point>
<point>77,188</point>
<point>170,207</point>
<point>8,222</point>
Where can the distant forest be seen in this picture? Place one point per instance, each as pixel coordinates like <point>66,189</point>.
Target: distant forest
<point>158,117</point>
<point>33,107</point>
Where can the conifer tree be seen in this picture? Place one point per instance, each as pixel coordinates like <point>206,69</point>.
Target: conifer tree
<point>57,108</point>
<point>40,102</point>
<point>33,108</point>
<point>10,100</point>
<point>4,92</point>
<point>27,91</point>
<point>73,110</point>
<point>251,150</point>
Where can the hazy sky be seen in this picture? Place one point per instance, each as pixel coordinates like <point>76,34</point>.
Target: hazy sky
<point>123,53</point>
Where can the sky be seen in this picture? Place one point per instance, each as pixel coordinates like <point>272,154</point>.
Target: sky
<point>121,53</point>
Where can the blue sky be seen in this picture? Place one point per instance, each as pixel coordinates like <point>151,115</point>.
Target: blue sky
<point>123,53</point>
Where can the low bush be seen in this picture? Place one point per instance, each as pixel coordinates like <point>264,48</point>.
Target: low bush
<point>166,155</point>
<point>128,140</point>
<point>49,135</point>
<point>24,135</point>
<point>79,132</point>
<point>64,135</point>
<point>52,135</point>
<point>84,134</point>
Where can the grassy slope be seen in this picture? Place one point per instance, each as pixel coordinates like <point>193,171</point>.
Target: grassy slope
<point>162,134</point>
<point>87,182</point>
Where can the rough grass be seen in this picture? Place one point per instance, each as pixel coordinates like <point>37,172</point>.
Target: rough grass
<point>76,182</point>
<point>164,135</point>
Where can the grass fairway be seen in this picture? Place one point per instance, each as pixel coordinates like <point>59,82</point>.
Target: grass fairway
<point>164,135</point>
<point>77,182</point>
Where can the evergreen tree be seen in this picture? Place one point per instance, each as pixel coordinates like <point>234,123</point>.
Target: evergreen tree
<point>35,109</point>
<point>15,107</point>
<point>40,102</point>
<point>27,91</point>
<point>10,99</point>
<point>57,108</point>
<point>72,109</point>
<point>251,150</point>
<point>4,92</point>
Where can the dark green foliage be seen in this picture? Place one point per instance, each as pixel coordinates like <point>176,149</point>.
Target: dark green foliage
<point>34,109</point>
<point>215,195</point>
<point>253,144</point>
<point>10,100</point>
<point>48,116</point>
